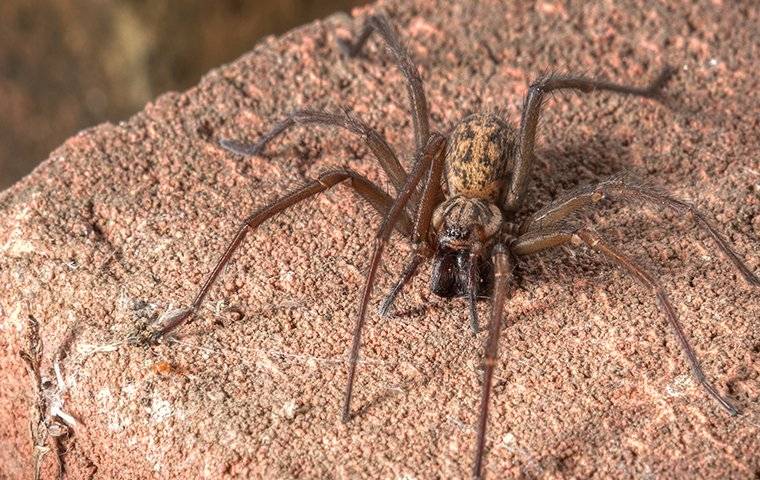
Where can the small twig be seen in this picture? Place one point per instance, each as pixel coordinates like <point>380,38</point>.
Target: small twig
<point>48,423</point>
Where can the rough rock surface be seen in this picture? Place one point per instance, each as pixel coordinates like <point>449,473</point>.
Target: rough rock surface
<point>123,222</point>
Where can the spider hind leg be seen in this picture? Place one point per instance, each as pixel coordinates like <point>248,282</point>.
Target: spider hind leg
<point>537,241</point>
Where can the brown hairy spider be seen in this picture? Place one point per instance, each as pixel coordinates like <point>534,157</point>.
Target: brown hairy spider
<point>461,216</point>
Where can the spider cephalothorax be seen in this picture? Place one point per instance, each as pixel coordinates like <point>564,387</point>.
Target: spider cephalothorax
<point>458,216</point>
<point>464,230</point>
<point>460,221</point>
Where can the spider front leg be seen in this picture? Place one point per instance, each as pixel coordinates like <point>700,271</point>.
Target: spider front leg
<point>532,111</point>
<point>623,187</point>
<point>431,155</point>
<point>422,244</point>
<point>365,188</point>
<point>503,268</point>
<point>375,142</point>
<point>415,90</point>
<point>537,241</point>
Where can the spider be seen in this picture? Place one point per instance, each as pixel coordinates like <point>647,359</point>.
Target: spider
<point>462,215</point>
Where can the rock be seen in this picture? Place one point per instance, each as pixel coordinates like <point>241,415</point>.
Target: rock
<point>123,222</point>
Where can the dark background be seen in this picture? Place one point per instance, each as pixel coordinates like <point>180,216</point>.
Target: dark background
<point>69,64</point>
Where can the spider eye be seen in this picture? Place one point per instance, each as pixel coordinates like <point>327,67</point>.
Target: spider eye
<point>461,233</point>
<point>456,233</point>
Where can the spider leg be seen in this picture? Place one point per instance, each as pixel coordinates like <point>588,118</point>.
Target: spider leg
<point>626,188</point>
<point>412,264</point>
<point>537,241</point>
<point>365,188</point>
<point>432,153</point>
<point>532,111</point>
<point>432,195</point>
<point>414,87</point>
<point>502,290</point>
<point>472,289</point>
<point>375,142</point>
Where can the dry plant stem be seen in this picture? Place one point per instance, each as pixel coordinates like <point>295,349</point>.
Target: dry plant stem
<point>42,441</point>
<point>431,153</point>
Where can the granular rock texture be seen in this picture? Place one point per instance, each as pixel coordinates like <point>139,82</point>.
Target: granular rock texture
<point>123,222</point>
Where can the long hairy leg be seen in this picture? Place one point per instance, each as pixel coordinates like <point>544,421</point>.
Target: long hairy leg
<point>433,152</point>
<point>503,267</point>
<point>375,142</point>
<point>537,241</point>
<point>472,289</point>
<point>622,187</point>
<point>365,188</point>
<point>417,101</point>
<point>432,195</point>
<point>532,111</point>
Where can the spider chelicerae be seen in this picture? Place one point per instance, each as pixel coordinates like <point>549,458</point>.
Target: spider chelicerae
<point>457,204</point>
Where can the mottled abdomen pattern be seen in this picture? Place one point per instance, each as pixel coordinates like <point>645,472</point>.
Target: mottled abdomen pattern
<point>479,153</point>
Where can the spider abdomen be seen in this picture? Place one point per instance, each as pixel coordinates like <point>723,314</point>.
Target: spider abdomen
<point>479,152</point>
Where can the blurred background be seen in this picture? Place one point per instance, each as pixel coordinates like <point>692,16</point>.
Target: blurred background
<point>69,64</point>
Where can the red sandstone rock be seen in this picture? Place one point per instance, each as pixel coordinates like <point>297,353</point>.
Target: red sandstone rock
<point>124,221</point>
